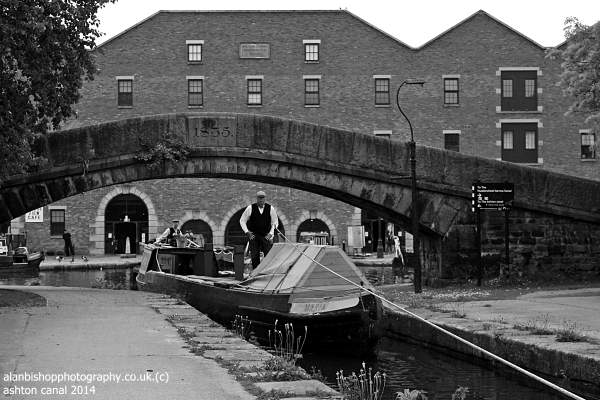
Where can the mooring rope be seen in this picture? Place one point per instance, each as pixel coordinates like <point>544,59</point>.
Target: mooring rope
<point>439,328</point>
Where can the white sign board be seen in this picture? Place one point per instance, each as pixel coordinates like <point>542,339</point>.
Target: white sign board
<point>3,247</point>
<point>35,215</point>
<point>356,236</point>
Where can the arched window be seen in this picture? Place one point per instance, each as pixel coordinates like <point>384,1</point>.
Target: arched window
<point>198,227</point>
<point>313,231</point>
<point>234,235</point>
<point>126,222</point>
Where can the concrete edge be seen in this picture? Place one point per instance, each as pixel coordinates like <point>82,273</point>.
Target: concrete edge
<point>176,311</point>
<point>567,369</point>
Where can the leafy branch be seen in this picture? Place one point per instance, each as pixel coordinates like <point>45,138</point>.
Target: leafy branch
<point>168,148</point>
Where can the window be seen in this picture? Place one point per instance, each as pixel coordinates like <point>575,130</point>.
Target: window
<point>452,141</point>
<point>519,90</point>
<point>125,92</point>
<point>194,50</point>
<point>588,145</point>
<point>507,142</point>
<point>311,92</point>
<point>529,140</point>
<point>195,92</point>
<point>57,222</point>
<point>450,90</point>
<point>507,86</point>
<point>520,142</point>
<point>254,92</point>
<point>311,50</point>
<point>382,91</point>
<point>529,87</point>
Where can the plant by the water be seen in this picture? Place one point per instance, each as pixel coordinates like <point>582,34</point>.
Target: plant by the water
<point>285,344</point>
<point>362,386</point>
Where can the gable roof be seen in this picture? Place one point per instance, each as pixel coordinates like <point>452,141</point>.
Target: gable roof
<point>362,21</point>
<point>472,16</point>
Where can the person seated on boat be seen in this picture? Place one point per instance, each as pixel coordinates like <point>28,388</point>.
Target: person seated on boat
<point>171,234</point>
<point>192,240</point>
<point>258,222</point>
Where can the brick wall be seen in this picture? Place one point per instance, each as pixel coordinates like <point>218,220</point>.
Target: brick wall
<point>176,198</point>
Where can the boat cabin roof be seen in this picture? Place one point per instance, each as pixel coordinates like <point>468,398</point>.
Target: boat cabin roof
<point>297,268</point>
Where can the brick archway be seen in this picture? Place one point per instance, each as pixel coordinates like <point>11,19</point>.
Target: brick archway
<point>320,215</point>
<point>97,227</point>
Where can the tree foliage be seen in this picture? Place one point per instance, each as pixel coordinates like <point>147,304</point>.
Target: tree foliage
<point>44,58</point>
<point>168,147</point>
<point>580,77</point>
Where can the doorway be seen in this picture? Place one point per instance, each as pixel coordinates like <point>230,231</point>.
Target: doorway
<point>126,217</point>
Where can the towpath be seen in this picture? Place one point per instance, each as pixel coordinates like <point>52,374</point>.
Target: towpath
<point>102,334</point>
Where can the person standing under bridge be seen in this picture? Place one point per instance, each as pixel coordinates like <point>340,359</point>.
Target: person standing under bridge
<point>69,248</point>
<point>258,221</point>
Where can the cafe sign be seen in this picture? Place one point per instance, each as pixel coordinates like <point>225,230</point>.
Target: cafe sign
<point>35,215</point>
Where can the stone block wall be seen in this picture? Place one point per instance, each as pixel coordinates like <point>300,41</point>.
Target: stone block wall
<point>541,246</point>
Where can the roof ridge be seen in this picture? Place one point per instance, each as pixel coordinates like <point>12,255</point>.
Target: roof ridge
<point>484,13</point>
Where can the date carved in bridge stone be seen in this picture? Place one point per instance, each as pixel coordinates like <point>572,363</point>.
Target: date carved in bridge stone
<point>212,131</point>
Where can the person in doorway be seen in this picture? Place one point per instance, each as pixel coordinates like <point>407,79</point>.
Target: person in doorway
<point>258,221</point>
<point>171,234</point>
<point>389,242</point>
<point>398,261</point>
<point>69,248</point>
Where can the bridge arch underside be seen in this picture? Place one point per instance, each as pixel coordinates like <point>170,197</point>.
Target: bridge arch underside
<point>363,189</point>
<point>541,243</point>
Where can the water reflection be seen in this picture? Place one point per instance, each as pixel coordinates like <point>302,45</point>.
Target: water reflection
<point>97,278</point>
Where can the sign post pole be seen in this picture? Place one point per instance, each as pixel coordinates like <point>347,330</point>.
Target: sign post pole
<point>479,262</point>
<point>506,237</point>
<point>492,196</point>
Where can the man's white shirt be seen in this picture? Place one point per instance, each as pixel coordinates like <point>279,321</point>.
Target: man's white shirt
<point>246,216</point>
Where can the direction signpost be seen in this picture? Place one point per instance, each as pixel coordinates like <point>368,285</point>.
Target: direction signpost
<point>497,196</point>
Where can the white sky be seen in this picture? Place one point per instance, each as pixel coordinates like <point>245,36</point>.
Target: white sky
<point>414,22</point>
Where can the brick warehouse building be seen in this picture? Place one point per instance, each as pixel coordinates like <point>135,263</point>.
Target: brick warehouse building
<point>490,91</point>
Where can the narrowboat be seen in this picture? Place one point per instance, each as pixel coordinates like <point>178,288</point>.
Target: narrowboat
<point>288,286</point>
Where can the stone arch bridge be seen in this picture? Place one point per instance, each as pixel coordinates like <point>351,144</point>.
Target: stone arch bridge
<point>556,218</point>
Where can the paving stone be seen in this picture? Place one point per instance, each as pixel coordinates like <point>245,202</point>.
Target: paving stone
<point>216,340</point>
<point>310,398</point>
<point>250,364</point>
<point>297,387</point>
<point>238,355</point>
<point>176,311</point>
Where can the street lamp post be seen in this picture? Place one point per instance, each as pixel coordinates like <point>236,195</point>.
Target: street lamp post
<point>414,217</point>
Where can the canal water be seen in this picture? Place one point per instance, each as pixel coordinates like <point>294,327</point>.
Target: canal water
<point>407,366</point>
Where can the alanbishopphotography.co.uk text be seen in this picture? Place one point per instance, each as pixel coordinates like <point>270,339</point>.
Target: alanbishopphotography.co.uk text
<point>73,383</point>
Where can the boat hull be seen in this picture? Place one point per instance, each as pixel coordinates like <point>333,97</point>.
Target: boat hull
<point>21,264</point>
<point>347,330</point>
